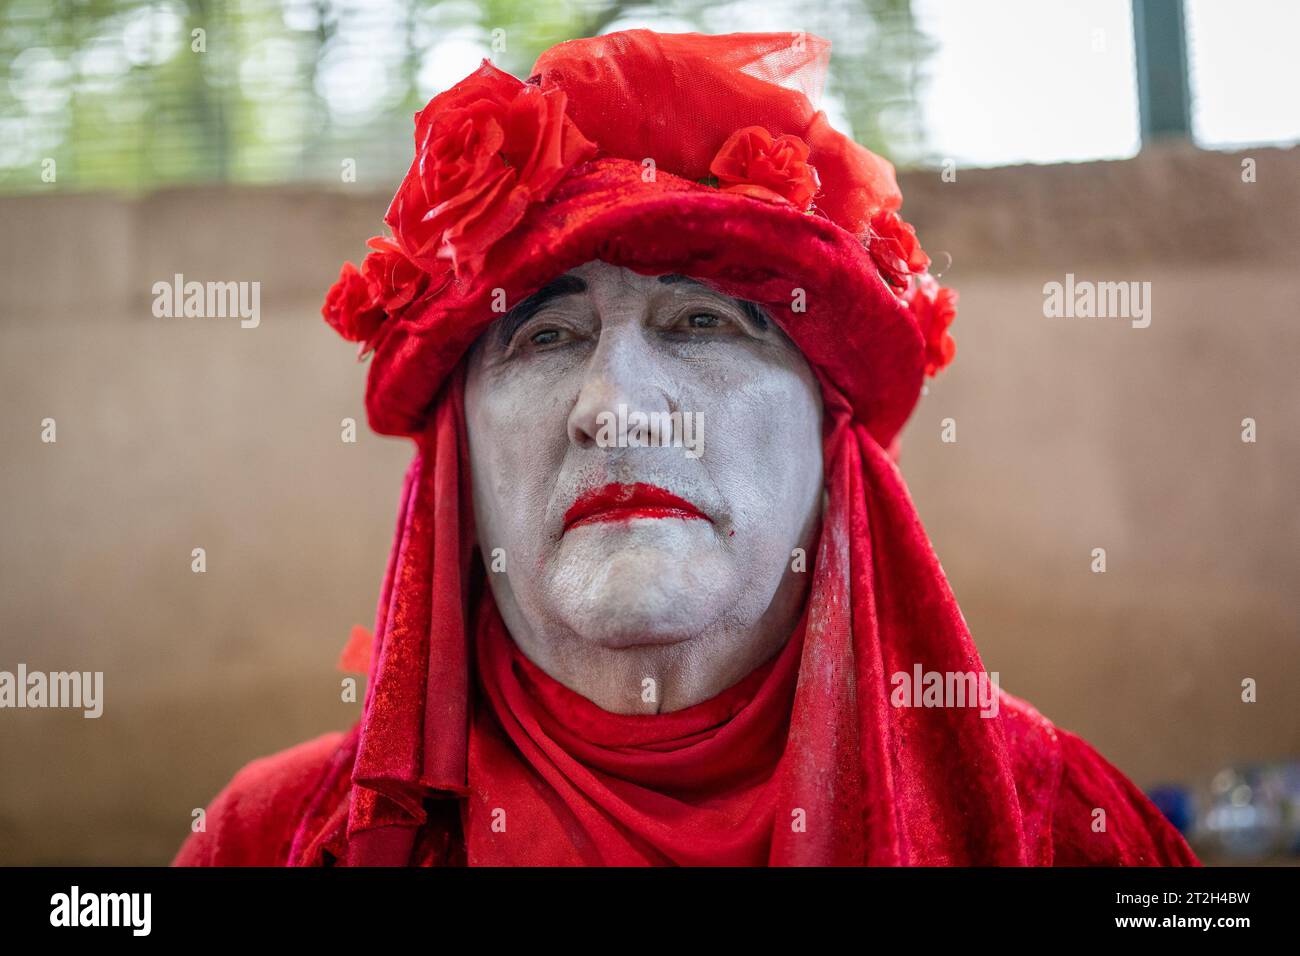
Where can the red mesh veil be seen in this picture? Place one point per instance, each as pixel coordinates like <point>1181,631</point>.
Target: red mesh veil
<point>702,87</point>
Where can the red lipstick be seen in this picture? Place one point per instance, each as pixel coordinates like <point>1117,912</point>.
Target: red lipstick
<point>620,502</point>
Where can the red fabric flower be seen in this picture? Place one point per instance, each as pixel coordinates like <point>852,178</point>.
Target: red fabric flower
<point>935,307</point>
<point>358,304</point>
<point>355,656</point>
<point>484,150</point>
<point>895,249</point>
<point>754,163</point>
<point>352,305</point>
<point>395,279</point>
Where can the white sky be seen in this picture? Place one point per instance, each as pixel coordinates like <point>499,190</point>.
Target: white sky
<point>1245,65</point>
<point>1043,81</point>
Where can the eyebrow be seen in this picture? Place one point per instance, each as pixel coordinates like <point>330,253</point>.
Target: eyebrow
<point>555,289</point>
<point>568,284</point>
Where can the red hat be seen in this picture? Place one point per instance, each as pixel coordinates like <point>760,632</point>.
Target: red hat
<point>704,156</point>
<point>663,153</point>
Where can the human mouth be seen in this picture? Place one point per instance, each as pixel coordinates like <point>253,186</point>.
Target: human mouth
<point>622,502</point>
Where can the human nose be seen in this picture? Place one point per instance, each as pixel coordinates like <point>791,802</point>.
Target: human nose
<point>618,403</point>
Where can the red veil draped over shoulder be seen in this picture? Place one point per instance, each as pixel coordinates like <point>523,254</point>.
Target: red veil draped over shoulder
<point>466,752</point>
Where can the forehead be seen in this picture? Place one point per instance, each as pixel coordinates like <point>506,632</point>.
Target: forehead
<point>602,275</point>
<point>600,280</point>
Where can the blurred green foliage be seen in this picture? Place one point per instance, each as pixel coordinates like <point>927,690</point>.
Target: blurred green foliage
<point>133,94</point>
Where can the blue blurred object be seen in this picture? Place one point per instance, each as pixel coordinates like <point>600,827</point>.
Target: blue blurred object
<point>1177,804</point>
<point>1248,813</point>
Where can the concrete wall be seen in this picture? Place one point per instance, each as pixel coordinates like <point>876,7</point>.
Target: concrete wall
<point>1072,434</point>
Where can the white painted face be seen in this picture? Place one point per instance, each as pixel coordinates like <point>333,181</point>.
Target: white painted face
<point>663,549</point>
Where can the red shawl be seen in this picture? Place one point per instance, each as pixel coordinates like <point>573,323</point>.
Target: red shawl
<point>557,781</point>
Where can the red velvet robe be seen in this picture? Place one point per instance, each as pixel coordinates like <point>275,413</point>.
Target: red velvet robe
<point>458,725</point>
<point>1059,779</point>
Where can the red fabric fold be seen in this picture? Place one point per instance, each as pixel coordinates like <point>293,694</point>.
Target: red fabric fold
<point>939,786</point>
<point>557,781</point>
<point>414,725</point>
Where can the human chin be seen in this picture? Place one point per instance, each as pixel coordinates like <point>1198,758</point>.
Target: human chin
<point>635,582</point>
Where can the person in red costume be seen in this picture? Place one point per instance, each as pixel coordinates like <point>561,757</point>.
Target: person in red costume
<point>658,594</point>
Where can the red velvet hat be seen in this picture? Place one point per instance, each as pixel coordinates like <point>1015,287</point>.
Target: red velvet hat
<point>664,153</point>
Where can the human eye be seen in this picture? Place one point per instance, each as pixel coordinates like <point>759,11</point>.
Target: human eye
<point>540,335</point>
<point>545,336</point>
<point>704,320</point>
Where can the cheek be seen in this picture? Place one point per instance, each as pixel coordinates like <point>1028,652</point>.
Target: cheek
<point>516,441</point>
<point>763,449</point>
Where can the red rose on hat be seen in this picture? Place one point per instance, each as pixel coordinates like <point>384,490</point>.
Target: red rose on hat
<point>484,150</point>
<point>395,279</point>
<point>895,249</point>
<point>352,305</point>
<point>754,163</point>
<point>935,307</point>
<point>358,304</point>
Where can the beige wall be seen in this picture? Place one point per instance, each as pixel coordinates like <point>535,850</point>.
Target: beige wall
<point>1072,434</point>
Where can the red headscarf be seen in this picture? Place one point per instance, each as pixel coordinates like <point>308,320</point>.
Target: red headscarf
<point>805,761</point>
